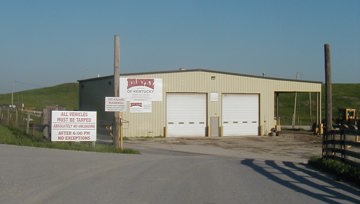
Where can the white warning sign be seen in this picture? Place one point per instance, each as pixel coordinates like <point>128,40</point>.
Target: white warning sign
<point>73,126</point>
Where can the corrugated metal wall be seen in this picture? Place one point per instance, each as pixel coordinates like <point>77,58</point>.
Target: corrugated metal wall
<point>93,92</point>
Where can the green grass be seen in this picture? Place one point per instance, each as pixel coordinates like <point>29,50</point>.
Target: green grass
<point>65,95</point>
<point>17,137</point>
<point>303,117</point>
<point>341,171</point>
<point>344,96</point>
<point>10,137</point>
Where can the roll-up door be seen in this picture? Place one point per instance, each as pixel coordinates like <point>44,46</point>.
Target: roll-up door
<point>186,114</point>
<point>240,114</point>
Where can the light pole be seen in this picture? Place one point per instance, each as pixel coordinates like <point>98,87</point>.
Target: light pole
<point>12,94</point>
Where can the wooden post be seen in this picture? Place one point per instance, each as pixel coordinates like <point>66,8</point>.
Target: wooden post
<point>328,101</point>
<point>8,117</point>
<point>318,113</point>
<point>117,139</point>
<point>294,113</point>
<point>45,122</point>
<point>33,130</point>
<point>328,92</point>
<point>28,123</point>
<point>16,118</point>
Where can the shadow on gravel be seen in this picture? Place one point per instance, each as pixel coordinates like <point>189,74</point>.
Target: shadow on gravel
<point>302,179</point>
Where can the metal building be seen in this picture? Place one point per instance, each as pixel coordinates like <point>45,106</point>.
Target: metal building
<point>193,102</point>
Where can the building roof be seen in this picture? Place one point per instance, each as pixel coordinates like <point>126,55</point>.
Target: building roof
<point>199,70</point>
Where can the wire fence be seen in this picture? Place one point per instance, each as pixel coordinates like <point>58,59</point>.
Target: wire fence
<point>27,121</point>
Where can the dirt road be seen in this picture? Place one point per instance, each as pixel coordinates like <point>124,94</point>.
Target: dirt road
<point>290,146</point>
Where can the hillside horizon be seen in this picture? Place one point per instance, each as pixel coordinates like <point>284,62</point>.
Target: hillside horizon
<point>345,95</point>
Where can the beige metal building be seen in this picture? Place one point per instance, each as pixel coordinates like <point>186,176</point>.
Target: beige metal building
<point>193,102</point>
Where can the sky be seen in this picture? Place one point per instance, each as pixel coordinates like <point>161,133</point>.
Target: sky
<point>49,42</point>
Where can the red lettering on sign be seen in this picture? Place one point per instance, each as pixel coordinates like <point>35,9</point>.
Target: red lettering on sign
<point>140,82</point>
<point>135,104</point>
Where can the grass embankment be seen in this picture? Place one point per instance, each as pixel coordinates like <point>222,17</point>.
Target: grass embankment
<point>341,171</point>
<point>16,137</point>
<point>65,95</point>
<point>344,96</point>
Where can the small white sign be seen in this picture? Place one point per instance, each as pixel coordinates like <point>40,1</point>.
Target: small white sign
<point>73,126</point>
<point>115,104</point>
<point>214,96</point>
<point>140,107</point>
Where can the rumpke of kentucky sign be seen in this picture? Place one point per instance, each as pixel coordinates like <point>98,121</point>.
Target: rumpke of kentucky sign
<point>143,89</point>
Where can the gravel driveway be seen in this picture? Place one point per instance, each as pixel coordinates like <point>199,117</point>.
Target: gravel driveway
<point>222,170</point>
<point>295,146</point>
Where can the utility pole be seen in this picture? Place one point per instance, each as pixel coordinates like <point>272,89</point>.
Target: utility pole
<point>328,92</point>
<point>118,139</point>
<point>328,102</point>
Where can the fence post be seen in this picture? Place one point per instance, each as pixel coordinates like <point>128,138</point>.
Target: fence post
<point>33,130</point>
<point>344,147</point>
<point>27,123</point>
<point>2,115</point>
<point>16,118</point>
<point>342,144</point>
<point>8,117</point>
<point>45,123</point>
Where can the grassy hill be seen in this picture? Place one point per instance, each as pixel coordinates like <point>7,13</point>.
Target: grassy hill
<point>66,95</point>
<point>344,95</point>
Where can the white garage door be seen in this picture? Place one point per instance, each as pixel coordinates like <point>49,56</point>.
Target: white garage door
<point>186,114</point>
<point>240,114</point>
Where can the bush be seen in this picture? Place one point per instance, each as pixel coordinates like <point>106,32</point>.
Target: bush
<point>341,170</point>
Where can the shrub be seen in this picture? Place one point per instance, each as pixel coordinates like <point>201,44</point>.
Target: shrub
<point>341,170</point>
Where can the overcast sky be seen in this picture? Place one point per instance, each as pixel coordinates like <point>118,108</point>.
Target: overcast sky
<point>46,42</point>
